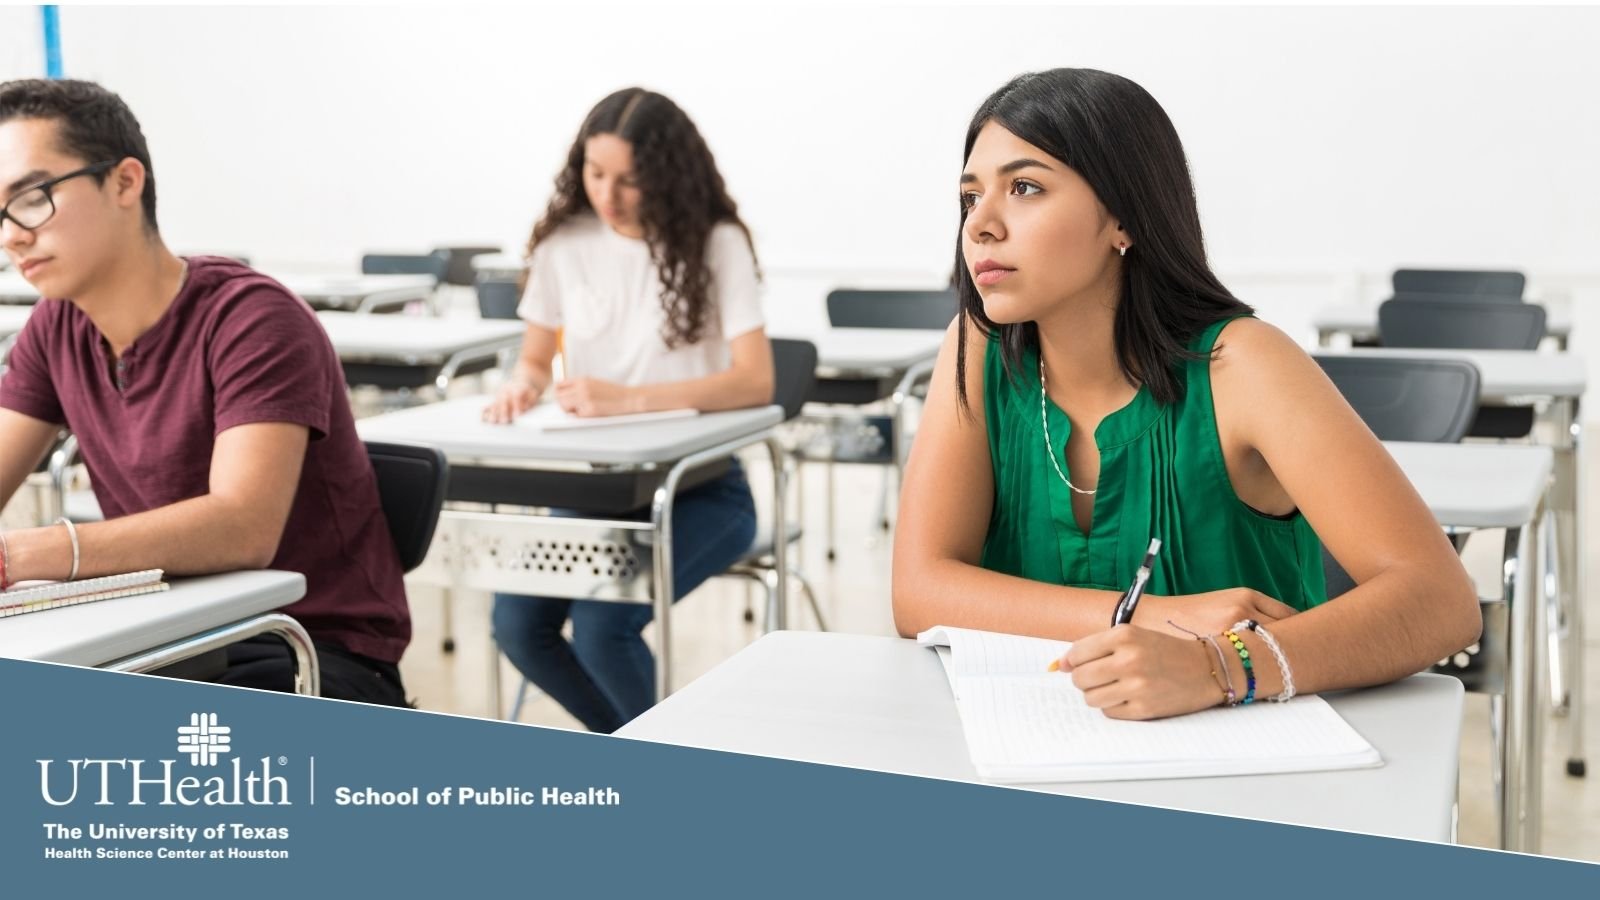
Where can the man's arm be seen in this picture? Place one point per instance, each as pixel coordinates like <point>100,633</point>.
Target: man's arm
<point>255,471</point>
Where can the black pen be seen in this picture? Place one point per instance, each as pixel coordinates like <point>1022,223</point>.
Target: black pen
<point>1124,611</point>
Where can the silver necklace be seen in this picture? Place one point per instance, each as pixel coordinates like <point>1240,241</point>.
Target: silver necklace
<point>1045,421</point>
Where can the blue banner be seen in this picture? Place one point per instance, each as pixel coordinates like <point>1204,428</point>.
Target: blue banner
<point>144,786</point>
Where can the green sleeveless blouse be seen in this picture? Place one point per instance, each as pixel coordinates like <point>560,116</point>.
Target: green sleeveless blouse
<point>1161,476</point>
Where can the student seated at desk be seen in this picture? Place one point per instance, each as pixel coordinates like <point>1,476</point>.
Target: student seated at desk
<point>1101,388</point>
<point>642,262</point>
<point>207,402</point>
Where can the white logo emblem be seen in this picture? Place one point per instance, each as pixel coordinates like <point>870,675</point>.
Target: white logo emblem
<point>203,739</point>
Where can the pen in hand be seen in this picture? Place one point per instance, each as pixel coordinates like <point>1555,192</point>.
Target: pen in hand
<point>1123,614</point>
<point>1124,611</point>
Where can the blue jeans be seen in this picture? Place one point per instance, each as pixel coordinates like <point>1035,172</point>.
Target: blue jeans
<point>606,676</point>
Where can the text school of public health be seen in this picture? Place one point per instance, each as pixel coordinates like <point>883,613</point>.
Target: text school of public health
<point>1078,514</point>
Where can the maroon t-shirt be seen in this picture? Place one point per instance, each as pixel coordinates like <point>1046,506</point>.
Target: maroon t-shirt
<point>234,348</point>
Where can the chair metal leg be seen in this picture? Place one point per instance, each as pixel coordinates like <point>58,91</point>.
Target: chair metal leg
<point>447,614</point>
<point>811,599</point>
<point>769,579</point>
<point>1566,494</point>
<point>829,503</point>
<point>495,699</point>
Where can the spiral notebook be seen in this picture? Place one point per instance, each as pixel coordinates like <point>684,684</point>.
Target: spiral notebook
<point>1024,724</point>
<point>35,596</point>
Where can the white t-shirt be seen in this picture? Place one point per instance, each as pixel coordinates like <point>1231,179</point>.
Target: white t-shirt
<point>603,290</point>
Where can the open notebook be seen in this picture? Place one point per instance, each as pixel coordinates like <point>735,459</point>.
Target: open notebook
<point>35,596</point>
<point>1024,724</point>
<point>550,417</point>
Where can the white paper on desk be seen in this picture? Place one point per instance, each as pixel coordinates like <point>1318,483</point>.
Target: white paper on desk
<point>1026,724</point>
<point>551,417</point>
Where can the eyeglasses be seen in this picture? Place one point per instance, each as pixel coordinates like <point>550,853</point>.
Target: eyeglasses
<point>33,207</point>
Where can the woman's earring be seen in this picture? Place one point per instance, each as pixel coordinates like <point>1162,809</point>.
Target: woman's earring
<point>1122,249</point>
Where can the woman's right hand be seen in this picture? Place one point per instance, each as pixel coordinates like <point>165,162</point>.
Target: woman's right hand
<point>1210,613</point>
<point>514,398</point>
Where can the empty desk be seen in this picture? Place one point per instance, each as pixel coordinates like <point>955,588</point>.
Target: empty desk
<point>359,293</point>
<point>1557,380</point>
<point>885,704</point>
<point>607,473</point>
<point>857,367</point>
<point>415,351</point>
<point>144,633</point>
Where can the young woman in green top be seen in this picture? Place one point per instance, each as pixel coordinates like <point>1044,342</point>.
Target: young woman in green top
<point>1102,388</point>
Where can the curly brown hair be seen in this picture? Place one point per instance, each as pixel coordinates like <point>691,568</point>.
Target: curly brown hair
<point>682,198</point>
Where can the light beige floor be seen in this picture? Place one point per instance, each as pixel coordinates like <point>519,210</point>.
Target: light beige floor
<point>854,592</point>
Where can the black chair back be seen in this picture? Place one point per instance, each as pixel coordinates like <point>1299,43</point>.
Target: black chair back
<point>1430,400</point>
<point>458,263</point>
<point>405,264</point>
<point>411,486</point>
<point>794,366</point>
<point>1460,324</point>
<point>1427,400</point>
<point>497,298</point>
<point>852,308</point>
<point>1480,285</point>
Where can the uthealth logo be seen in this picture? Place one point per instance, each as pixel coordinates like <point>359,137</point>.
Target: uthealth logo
<point>204,741</point>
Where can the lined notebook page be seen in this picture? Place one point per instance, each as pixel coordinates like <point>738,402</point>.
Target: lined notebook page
<point>1025,724</point>
<point>550,417</point>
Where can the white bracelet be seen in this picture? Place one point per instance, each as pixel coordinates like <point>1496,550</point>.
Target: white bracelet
<point>72,530</point>
<point>1277,653</point>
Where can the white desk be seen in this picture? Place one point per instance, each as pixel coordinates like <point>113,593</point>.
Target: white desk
<point>1360,322</point>
<point>411,351</point>
<point>885,704</point>
<point>593,557</point>
<point>1557,380</point>
<point>141,634</point>
<point>358,293</point>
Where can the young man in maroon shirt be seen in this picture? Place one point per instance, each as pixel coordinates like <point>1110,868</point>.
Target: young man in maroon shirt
<point>208,403</point>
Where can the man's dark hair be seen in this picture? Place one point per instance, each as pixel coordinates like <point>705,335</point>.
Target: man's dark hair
<point>92,123</point>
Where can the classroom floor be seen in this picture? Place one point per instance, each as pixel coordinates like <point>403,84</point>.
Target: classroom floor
<point>854,594</point>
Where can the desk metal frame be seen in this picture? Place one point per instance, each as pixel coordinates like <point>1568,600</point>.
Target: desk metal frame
<point>534,554</point>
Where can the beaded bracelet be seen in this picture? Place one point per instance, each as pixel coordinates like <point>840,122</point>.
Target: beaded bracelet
<point>1249,668</point>
<point>1277,654</point>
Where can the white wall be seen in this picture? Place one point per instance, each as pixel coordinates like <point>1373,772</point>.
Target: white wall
<point>1324,142</point>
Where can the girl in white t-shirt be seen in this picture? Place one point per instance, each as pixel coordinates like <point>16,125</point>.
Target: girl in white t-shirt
<point>643,267</point>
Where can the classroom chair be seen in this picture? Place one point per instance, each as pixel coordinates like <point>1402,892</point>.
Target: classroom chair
<point>1462,283</point>
<point>1453,323</point>
<point>883,308</point>
<point>497,297</point>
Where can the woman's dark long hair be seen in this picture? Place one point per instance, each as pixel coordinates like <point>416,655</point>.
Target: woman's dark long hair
<point>1113,133</point>
<point>682,199</point>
